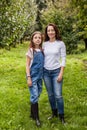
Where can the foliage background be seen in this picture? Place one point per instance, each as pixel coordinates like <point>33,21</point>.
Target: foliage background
<point>18,19</point>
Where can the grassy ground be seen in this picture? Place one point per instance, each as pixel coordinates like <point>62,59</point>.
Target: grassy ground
<point>14,94</point>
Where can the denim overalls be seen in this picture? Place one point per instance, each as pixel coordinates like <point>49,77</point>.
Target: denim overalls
<point>36,72</point>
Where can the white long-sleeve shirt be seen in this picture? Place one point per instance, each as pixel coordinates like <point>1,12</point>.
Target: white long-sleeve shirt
<point>55,54</point>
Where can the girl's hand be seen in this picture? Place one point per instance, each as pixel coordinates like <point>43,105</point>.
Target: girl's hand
<point>29,81</point>
<point>60,76</point>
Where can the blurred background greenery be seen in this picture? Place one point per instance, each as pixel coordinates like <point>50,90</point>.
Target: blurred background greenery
<point>19,18</point>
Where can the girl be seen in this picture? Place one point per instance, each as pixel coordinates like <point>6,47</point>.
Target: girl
<point>34,72</point>
<point>54,50</point>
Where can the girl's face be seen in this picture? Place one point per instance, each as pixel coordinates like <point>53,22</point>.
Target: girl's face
<point>51,32</point>
<point>37,39</point>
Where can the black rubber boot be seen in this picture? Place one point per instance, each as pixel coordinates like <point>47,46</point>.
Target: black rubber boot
<point>32,114</point>
<point>61,117</point>
<point>36,114</point>
<point>54,114</point>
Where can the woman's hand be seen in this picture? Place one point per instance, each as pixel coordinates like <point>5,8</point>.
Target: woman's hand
<point>60,76</point>
<point>29,81</point>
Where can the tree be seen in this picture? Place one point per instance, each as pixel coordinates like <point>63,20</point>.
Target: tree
<point>16,16</point>
<point>58,15</point>
<point>41,4</point>
<point>80,7</point>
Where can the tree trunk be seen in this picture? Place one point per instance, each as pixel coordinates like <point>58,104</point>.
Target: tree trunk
<point>85,40</point>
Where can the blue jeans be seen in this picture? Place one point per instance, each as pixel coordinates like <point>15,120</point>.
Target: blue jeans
<point>54,89</point>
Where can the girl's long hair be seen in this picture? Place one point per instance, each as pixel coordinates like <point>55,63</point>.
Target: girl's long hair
<point>58,37</point>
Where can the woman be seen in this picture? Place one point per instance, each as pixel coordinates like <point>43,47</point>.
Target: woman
<point>54,50</point>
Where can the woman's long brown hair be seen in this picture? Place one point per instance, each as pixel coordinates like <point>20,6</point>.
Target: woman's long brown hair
<point>58,37</point>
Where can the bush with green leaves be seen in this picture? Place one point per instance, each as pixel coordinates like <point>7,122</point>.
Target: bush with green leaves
<point>80,7</point>
<point>65,25</point>
<point>16,17</point>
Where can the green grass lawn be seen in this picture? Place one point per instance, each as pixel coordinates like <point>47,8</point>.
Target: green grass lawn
<point>14,94</point>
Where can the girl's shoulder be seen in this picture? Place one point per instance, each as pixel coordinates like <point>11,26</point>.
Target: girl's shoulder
<point>31,50</point>
<point>30,53</point>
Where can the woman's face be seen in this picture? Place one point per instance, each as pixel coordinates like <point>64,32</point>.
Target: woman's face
<point>51,32</point>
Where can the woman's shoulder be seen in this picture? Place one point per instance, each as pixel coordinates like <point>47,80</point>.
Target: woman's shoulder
<point>60,42</point>
<point>45,42</point>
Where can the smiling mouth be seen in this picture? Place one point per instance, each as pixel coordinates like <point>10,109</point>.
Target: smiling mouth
<point>51,34</point>
<point>38,42</point>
